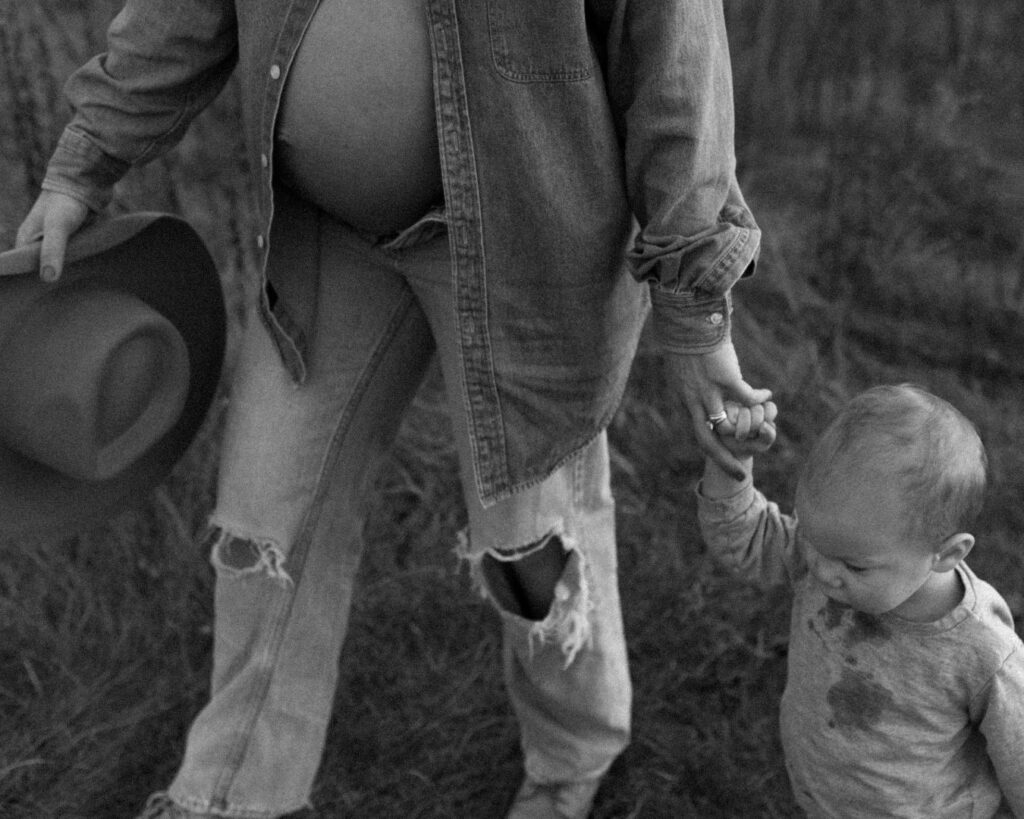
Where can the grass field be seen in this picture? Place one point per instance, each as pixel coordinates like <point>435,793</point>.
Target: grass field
<point>879,146</point>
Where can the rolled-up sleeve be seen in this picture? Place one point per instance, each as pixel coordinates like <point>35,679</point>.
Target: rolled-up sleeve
<point>81,169</point>
<point>165,62</point>
<point>670,84</point>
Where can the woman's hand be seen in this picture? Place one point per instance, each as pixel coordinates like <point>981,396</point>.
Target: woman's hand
<point>54,217</point>
<point>706,382</point>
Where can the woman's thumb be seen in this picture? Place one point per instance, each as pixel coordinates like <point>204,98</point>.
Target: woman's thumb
<point>749,396</point>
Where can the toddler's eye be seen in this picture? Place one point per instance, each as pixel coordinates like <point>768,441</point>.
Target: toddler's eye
<point>856,569</point>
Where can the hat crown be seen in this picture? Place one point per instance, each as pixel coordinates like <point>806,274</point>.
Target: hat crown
<point>89,380</point>
<point>113,422</point>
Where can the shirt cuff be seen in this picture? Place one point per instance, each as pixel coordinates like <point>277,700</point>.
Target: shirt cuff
<point>711,263</point>
<point>690,322</point>
<point>81,170</point>
<point>739,501</point>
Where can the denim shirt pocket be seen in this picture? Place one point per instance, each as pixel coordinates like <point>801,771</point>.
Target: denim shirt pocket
<point>539,40</point>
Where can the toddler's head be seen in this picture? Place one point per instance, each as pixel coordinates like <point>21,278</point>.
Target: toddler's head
<point>887,498</point>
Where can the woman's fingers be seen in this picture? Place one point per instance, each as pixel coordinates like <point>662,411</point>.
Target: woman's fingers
<point>54,217</point>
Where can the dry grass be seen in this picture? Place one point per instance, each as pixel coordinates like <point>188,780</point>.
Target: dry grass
<point>879,146</point>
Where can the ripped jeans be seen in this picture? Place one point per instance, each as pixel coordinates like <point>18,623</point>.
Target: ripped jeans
<point>297,465</point>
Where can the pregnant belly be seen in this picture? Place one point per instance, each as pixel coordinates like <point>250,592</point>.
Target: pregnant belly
<point>356,132</point>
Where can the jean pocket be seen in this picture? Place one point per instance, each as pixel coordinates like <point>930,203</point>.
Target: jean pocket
<point>540,40</point>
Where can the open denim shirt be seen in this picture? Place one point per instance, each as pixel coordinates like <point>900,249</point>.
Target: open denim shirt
<point>586,146</point>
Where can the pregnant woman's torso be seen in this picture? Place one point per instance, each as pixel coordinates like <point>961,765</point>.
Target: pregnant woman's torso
<point>356,132</point>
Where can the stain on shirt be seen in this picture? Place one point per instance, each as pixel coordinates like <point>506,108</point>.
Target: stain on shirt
<point>857,701</point>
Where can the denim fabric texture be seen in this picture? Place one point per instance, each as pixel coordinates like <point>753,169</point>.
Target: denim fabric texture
<point>580,141</point>
<point>588,173</point>
<point>286,539</point>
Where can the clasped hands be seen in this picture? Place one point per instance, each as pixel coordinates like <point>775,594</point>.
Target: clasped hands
<point>746,431</point>
<point>732,420</point>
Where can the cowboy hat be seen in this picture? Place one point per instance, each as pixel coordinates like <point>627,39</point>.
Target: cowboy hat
<point>105,375</point>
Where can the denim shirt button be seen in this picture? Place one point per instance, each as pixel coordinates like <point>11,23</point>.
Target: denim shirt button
<point>264,160</point>
<point>259,241</point>
<point>715,319</point>
<point>275,72</point>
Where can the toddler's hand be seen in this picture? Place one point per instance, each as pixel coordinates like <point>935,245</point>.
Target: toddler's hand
<point>748,431</point>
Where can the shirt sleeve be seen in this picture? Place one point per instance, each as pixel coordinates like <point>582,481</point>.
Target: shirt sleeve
<point>670,84</point>
<point>1002,724</point>
<point>750,536</point>
<point>164,63</point>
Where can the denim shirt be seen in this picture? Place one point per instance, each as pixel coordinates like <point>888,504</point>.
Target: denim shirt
<point>621,173</point>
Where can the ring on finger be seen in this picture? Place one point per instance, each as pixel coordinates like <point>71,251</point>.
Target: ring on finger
<point>716,418</point>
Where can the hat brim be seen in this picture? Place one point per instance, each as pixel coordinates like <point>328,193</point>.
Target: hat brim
<point>161,260</point>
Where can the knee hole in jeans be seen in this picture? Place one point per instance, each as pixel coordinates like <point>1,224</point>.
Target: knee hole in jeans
<point>562,601</point>
<point>238,556</point>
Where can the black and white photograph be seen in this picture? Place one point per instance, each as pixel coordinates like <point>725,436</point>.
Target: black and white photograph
<point>511,409</point>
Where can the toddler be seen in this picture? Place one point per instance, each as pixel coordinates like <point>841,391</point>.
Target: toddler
<point>905,688</point>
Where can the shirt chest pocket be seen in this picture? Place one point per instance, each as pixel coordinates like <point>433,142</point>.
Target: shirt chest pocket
<point>540,40</point>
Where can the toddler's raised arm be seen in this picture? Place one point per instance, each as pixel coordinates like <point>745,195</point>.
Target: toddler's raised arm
<point>745,432</point>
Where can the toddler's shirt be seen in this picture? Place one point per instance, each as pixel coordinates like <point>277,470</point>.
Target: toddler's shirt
<point>881,716</point>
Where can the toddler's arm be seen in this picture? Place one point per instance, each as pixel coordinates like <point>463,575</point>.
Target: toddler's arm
<point>744,531</point>
<point>745,432</point>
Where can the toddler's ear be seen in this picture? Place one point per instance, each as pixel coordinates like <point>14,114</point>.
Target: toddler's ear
<point>953,549</point>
